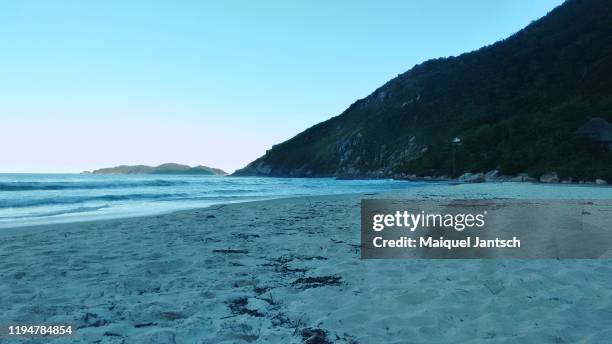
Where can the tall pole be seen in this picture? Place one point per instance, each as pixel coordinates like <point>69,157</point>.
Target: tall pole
<point>454,159</point>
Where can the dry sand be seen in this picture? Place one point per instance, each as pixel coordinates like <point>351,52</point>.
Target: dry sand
<point>286,271</point>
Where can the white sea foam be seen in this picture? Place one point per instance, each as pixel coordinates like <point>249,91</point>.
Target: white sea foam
<point>27,199</point>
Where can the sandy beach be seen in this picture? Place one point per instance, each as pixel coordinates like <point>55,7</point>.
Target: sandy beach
<point>289,271</point>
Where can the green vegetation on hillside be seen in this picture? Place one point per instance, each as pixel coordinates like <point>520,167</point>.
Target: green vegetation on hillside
<point>169,168</point>
<point>516,106</point>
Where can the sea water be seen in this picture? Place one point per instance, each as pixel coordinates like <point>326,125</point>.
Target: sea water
<point>30,199</point>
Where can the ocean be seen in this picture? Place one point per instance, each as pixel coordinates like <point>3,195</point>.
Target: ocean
<point>31,199</point>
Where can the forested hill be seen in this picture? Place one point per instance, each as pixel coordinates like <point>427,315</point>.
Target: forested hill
<point>516,106</point>
<point>169,168</point>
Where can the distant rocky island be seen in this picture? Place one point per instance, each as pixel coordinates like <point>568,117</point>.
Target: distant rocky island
<point>534,106</point>
<point>169,168</point>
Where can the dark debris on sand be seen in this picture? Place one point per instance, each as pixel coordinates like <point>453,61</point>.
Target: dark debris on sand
<point>239,306</point>
<point>314,336</point>
<point>317,281</point>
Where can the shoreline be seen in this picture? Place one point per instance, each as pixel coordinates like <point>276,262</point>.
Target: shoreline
<point>429,183</point>
<point>44,199</point>
<point>4,231</point>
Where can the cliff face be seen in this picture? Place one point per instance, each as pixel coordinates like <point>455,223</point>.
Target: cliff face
<point>515,105</point>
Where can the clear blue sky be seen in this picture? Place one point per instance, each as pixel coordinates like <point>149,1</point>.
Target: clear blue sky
<point>88,84</point>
